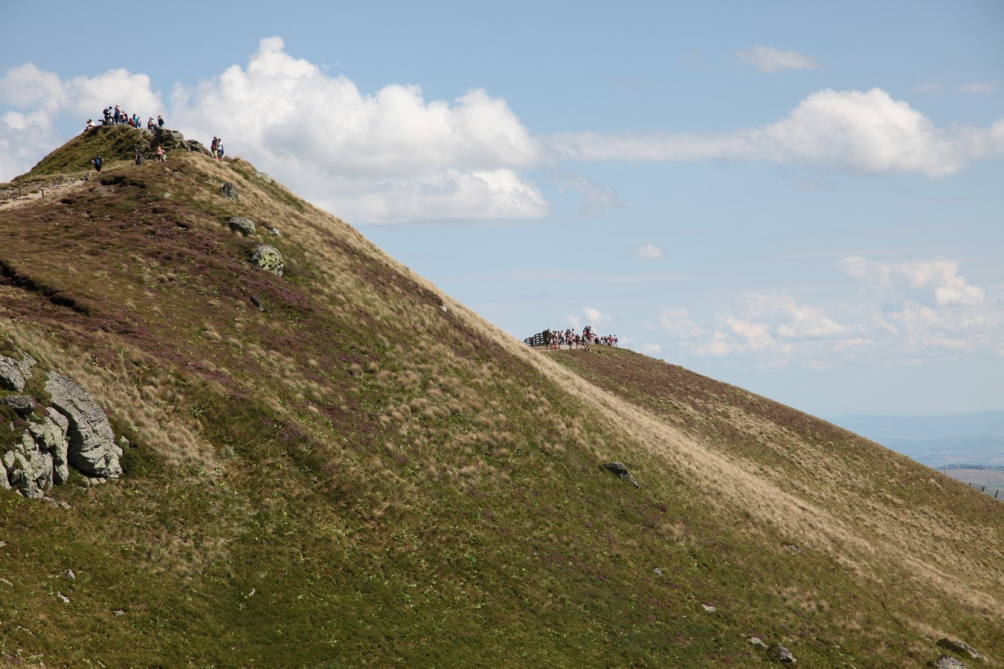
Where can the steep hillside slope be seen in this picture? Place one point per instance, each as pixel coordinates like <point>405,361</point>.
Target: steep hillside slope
<point>361,471</point>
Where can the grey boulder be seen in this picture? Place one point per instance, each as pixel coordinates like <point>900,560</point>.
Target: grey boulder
<point>22,405</point>
<point>269,259</point>
<point>621,471</point>
<point>11,376</point>
<point>229,191</point>
<point>245,226</point>
<point>960,647</point>
<point>92,448</point>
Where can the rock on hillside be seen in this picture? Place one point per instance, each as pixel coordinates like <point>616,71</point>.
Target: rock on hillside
<point>92,447</point>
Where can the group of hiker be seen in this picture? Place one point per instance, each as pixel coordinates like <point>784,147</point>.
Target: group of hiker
<point>216,148</point>
<point>554,339</point>
<point>115,116</point>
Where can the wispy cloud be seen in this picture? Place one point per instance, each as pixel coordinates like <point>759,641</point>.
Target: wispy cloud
<point>929,89</point>
<point>905,311</point>
<point>596,197</point>
<point>937,279</point>
<point>595,316</point>
<point>649,252</point>
<point>771,60</point>
<point>978,88</point>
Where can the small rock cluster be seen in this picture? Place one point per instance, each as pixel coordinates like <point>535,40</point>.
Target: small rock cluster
<point>774,651</point>
<point>265,256</point>
<point>73,431</point>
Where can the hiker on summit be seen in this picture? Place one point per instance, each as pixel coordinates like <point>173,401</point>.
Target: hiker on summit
<point>150,125</point>
<point>90,124</point>
<point>212,147</point>
<point>219,149</point>
<point>116,115</point>
<point>97,164</point>
<point>107,115</point>
<point>160,121</point>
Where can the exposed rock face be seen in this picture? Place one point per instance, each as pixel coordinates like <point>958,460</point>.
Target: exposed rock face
<point>92,447</point>
<point>245,226</point>
<point>50,436</point>
<point>960,647</point>
<point>23,405</point>
<point>621,471</point>
<point>31,471</point>
<point>11,376</point>
<point>229,191</point>
<point>269,259</point>
<point>948,662</point>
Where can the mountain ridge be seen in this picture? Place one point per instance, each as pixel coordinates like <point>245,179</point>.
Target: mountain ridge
<point>364,470</point>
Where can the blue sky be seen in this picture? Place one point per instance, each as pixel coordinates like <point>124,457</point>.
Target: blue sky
<point>800,198</point>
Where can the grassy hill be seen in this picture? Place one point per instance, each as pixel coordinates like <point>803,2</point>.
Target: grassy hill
<point>365,472</point>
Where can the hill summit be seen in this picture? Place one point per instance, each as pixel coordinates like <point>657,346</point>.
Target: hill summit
<point>330,462</point>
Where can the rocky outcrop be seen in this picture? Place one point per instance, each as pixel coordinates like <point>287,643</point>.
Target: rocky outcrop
<point>92,448</point>
<point>11,376</point>
<point>268,258</point>
<point>171,140</point>
<point>229,191</point>
<point>245,226</point>
<point>30,468</point>
<point>948,662</point>
<point>621,471</point>
<point>50,436</point>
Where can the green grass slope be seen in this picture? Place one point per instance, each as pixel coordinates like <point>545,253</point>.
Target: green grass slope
<point>365,472</point>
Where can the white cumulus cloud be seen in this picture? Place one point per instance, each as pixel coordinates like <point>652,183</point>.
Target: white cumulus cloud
<point>651,349</point>
<point>771,60</point>
<point>387,157</point>
<point>863,131</point>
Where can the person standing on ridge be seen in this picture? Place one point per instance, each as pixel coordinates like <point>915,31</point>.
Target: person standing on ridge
<point>160,121</point>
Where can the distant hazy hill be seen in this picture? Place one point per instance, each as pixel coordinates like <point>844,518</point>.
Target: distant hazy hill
<point>339,465</point>
<point>976,438</point>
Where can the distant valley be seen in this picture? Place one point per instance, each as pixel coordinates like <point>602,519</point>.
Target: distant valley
<point>937,441</point>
